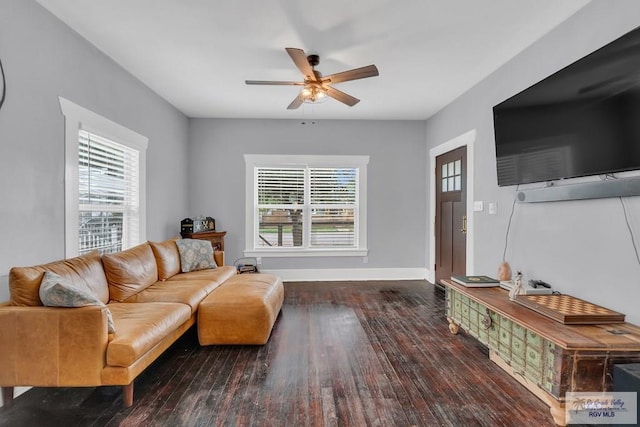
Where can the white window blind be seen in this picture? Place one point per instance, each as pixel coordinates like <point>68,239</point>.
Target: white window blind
<point>109,194</point>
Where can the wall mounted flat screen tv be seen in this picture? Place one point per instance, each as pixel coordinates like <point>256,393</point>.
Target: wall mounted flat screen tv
<point>582,120</point>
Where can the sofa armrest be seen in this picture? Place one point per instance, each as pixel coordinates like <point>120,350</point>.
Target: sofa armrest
<point>218,257</point>
<point>51,346</point>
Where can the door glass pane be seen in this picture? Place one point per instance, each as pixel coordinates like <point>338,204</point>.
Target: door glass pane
<point>451,176</point>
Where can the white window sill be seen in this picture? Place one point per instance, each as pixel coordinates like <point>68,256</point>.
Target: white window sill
<point>292,253</point>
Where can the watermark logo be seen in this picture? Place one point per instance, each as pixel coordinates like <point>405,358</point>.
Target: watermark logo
<point>602,408</point>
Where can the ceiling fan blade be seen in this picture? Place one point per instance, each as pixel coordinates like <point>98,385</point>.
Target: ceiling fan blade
<point>295,103</point>
<point>355,74</point>
<point>341,96</point>
<point>300,59</point>
<point>269,82</point>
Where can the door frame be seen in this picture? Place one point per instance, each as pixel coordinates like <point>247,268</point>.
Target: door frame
<point>467,139</point>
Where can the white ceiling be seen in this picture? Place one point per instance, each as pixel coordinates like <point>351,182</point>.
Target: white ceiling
<point>197,54</point>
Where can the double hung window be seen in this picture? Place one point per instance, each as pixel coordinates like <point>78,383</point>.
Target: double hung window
<point>109,195</point>
<point>104,183</point>
<point>306,205</point>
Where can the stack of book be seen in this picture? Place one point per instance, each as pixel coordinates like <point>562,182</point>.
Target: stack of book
<point>476,281</point>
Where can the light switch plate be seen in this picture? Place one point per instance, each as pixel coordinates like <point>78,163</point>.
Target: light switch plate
<point>478,206</point>
<point>493,208</point>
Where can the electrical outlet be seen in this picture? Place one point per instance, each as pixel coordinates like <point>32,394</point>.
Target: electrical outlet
<point>365,260</point>
<point>259,260</point>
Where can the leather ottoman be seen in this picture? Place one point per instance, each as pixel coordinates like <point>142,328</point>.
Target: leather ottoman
<point>241,311</point>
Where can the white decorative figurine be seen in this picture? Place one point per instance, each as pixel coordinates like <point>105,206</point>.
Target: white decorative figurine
<point>517,286</point>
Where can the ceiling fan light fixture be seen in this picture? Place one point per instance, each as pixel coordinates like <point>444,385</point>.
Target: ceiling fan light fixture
<point>313,94</point>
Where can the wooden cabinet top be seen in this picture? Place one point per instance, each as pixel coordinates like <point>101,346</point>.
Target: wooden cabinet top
<point>612,337</point>
<point>204,234</point>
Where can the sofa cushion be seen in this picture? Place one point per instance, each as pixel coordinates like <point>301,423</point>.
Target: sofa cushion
<point>186,292</point>
<point>195,255</point>
<point>187,288</point>
<point>57,292</point>
<point>217,275</point>
<point>84,272</point>
<point>167,258</point>
<point>140,327</point>
<point>130,271</point>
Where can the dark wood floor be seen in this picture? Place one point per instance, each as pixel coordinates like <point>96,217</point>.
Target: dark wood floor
<point>341,354</point>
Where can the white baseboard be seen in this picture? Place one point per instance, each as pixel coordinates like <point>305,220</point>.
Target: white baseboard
<point>16,392</point>
<point>348,274</point>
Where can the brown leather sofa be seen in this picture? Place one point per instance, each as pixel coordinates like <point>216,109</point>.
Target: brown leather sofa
<point>152,304</point>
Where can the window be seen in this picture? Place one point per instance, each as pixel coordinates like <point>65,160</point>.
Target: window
<point>306,205</point>
<point>451,176</point>
<point>104,183</point>
<point>108,195</point>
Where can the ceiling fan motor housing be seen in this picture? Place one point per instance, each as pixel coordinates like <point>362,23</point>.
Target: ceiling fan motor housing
<point>313,60</point>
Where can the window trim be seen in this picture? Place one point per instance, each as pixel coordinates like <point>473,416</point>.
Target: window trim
<point>76,118</point>
<point>274,160</point>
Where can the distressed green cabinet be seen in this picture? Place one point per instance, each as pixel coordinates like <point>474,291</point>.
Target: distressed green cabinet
<point>547,357</point>
<point>526,352</point>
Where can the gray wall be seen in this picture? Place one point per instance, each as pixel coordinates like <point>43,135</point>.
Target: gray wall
<point>396,180</point>
<point>582,248</point>
<point>43,59</point>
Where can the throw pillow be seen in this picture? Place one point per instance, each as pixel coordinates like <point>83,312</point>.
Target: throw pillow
<point>195,255</point>
<point>57,292</point>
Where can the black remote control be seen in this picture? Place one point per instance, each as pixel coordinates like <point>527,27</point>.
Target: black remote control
<point>534,283</point>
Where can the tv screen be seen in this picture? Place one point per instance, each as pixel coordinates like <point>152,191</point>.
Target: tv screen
<point>582,120</point>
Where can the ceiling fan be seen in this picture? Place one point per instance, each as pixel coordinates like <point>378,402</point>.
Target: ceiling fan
<point>316,87</point>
